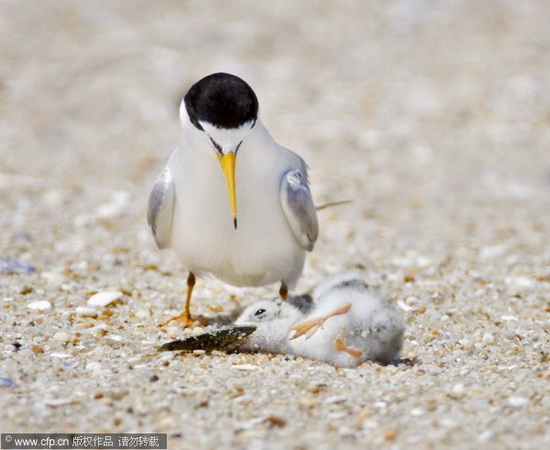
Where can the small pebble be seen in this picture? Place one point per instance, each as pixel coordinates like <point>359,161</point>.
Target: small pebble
<point>67,365</point>
<point>306,402</point>
<point>100,330</point>
<point>275,421</point>
<point>53,277</point>
<point>143,314</point>
<point>86,311</point>
<point>459,389</point>
<point>517,402</point>
<point>197,330</point>
<point>26,290</point>
<point>105,298</point>
<point>246,367</point>
<point>335,399</point>
<point>485,436</point>
<point>55,402</point>
<point>488,338</point>
<point>61,336</point>
<point>449,423</point>
<point>508,318</point>
<point>174,331</point>
<point>13,266</point>
<point>40,305</point>
<point>107,312</point>
<point>113,208</point>
<point>6,382</point>
<point>94,366</point>
<point>390,435</point>
<point>518,281</point>
<point>67,287</point>
<point>60,355</point>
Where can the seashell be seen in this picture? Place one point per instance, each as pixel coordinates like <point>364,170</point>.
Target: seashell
<point>40,305</point>
<point>104,298</point>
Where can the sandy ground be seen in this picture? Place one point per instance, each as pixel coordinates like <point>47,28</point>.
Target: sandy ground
<point>433,116</point>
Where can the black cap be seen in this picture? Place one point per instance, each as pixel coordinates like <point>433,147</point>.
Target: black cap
<point>222,99</point>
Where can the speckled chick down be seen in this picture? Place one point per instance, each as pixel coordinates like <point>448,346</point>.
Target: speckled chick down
<point>372,327</point>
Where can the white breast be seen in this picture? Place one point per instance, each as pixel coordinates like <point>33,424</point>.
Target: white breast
<point>263,249</point>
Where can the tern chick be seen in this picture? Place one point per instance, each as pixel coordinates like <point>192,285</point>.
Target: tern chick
<point>348,325</point>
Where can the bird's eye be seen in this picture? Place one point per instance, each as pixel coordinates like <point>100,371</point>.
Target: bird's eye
<point>259,312</point>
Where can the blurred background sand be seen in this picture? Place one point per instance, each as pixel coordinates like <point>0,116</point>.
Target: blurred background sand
<point>432,116</point>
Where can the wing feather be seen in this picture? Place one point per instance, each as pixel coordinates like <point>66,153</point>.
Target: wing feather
<point>299,208</point>
<point>160,209</point>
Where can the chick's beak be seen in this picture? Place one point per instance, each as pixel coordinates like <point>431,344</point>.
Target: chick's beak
<point>228,161</point>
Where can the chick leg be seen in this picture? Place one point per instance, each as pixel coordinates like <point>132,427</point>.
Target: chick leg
<point>185,317</point>
<point>340,345</point>
<point>310,326</point>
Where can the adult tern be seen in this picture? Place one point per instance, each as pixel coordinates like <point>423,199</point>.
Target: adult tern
<point>231,201</point>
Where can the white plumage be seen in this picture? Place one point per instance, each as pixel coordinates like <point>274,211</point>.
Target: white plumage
<point>264,248</point>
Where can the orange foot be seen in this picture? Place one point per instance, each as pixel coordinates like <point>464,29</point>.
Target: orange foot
<point>184,318</point>
<point>340,345</point>
<point>310,326</point>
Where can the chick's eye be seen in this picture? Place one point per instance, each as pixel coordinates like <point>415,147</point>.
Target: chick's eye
<point>259,312</point>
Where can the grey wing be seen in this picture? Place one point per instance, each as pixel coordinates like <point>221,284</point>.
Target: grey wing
<point>299,208</point>
<point>160,210</point>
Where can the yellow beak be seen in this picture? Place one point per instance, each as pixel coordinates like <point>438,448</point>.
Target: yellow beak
<point>228,161</point>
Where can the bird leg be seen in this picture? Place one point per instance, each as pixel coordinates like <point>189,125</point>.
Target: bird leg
<point>185,317</point>
<point>283,291</point>
<point>340,345</point>
<point>310,326</point>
